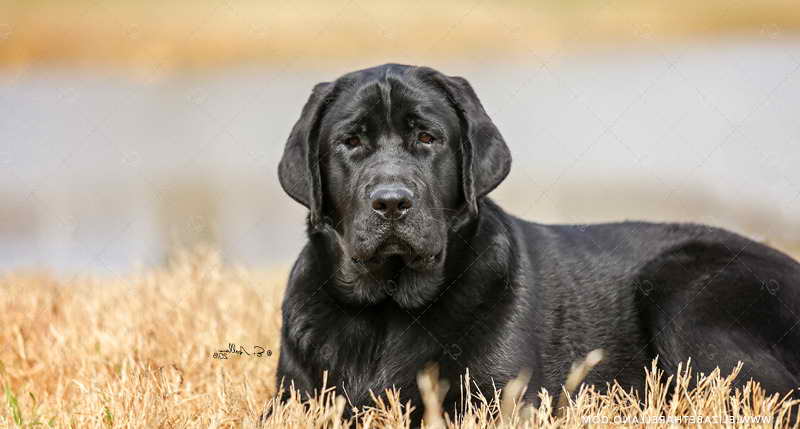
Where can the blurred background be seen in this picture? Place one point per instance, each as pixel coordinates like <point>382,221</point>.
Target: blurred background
<point>128,128</point>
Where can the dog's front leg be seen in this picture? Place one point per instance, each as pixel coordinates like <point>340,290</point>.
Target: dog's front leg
<point>289,375</point>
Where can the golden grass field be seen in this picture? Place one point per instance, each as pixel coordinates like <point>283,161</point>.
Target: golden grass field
<point>138,352</point>
<point>180,34</point>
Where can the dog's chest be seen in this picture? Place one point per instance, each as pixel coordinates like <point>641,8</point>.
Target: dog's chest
<point>370,352</point>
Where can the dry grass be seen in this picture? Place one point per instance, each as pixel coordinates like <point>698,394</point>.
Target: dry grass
<point>179,34</point>
<point>137,352</point>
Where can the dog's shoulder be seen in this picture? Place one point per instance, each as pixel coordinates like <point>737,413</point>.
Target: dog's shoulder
<point>312,266</point>
<point>306,277</point>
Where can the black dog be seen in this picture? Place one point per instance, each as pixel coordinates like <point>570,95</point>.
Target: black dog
<point>408,262</point>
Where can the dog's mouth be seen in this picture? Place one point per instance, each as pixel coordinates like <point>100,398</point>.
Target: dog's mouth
<point>393,246</point>
<point>396,253</point>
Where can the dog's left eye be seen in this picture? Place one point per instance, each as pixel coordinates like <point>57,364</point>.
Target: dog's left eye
<point>425,138</point>
<point>352,141</point>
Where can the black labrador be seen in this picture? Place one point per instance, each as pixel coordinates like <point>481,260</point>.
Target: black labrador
<point>408,262</point>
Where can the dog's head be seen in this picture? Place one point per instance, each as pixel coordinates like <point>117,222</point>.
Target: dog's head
<point>388,157</point>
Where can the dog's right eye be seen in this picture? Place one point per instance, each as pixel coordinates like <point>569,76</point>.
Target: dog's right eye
<point>352,141</point>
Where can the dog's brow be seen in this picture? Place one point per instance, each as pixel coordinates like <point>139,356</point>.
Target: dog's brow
<point>346,126</point>
<point>385,95</point>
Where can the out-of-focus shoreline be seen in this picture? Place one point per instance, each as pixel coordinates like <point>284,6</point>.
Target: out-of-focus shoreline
<point>104,174</point>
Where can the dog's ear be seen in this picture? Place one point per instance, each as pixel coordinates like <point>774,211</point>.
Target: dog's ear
<point>298,171</point>
<point>485,157</point>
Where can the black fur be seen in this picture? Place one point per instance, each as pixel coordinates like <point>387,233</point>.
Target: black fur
<point>460,282</point>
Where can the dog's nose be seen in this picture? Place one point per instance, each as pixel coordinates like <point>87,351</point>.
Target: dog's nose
<point>391,202</point>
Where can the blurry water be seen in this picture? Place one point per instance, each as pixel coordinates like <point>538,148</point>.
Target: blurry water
<point>103,173</point>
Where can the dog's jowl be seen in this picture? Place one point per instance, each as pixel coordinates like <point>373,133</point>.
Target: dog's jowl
<point>408,262</point>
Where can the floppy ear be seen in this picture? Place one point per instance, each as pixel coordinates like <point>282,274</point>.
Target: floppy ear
<point>485,157</point>
<point>298,170</point>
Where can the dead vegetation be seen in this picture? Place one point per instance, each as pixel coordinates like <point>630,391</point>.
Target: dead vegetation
<point>156,37</point>
<point>138,352</point>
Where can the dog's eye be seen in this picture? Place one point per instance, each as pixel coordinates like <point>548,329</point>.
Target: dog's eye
<point>353,141</point>
<point>425,138</point>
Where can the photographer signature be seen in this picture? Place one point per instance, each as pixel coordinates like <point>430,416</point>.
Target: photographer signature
<point>240,349</point>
